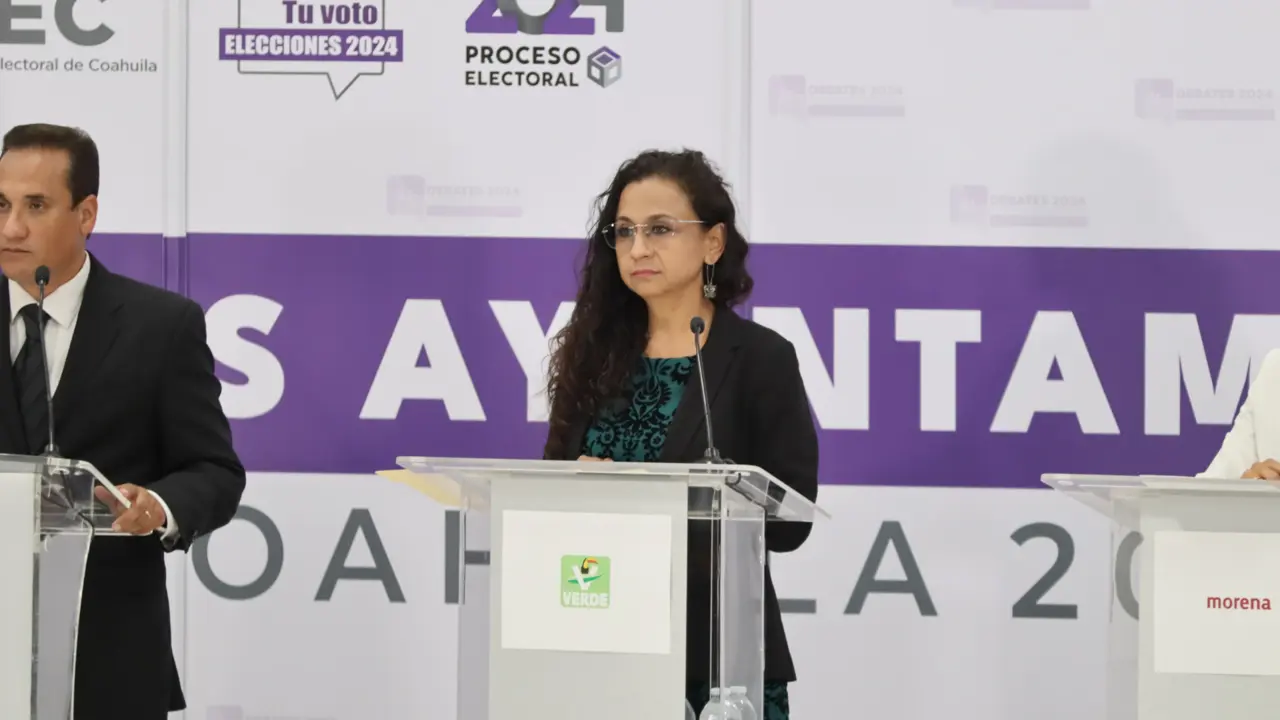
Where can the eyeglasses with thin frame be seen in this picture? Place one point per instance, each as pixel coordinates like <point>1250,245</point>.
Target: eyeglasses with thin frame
<point>624,233</point>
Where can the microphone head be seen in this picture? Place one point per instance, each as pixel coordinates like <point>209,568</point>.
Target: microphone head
<point>42,275</point>
<point>697,325</point>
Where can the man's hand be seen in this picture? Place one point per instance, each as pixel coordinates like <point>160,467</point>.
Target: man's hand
<point>1266,470</point>
<point>588,458</point>
<point>145,515</point>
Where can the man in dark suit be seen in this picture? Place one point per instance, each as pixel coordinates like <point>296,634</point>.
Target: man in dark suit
<point>134,393</point>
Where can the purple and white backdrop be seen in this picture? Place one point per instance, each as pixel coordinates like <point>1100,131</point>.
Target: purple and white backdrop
<point>1007,237</point>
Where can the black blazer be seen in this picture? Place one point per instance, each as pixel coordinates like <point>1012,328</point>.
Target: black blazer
<point>760,415</point>
<point>139,400</point>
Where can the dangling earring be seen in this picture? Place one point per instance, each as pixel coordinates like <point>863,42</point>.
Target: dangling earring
<point>708,281</point>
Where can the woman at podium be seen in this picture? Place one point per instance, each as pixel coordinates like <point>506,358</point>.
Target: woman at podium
<point>663,269</point>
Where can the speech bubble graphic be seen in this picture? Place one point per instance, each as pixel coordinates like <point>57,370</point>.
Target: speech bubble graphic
<point>339,40</point>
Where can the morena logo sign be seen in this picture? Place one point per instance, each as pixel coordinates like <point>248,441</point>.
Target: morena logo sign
<point>1213,602</point>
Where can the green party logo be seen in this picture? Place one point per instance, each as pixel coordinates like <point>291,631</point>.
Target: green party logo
<point>584,581</point>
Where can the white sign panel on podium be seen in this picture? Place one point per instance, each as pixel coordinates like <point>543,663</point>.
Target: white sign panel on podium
<point>586,582</point>
<point>1217,603</point>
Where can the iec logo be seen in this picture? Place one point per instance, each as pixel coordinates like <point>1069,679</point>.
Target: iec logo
<point>587,579</point>
<point>33,25</point>
<point>32,15</point>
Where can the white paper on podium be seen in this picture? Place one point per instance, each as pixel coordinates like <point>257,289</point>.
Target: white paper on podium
<point>621,603</point>
<point>1217,603</point>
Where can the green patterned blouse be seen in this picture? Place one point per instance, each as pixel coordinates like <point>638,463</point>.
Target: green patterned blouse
<point>635,429</point>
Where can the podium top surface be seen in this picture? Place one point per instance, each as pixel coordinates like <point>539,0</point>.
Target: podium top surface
<point>67,502</point>
<point>779,501</point>
<point>1135,486</point>
<point>1118,495</point>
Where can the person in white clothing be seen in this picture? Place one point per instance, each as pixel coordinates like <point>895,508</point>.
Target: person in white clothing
<point>1252,446</point>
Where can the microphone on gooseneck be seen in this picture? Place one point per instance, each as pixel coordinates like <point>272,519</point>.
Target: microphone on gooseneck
<point>712,455</point>
<point>42,281</point>
<point>59,491</point>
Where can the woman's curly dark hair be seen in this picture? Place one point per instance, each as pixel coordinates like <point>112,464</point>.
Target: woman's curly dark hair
<point>596,352</point>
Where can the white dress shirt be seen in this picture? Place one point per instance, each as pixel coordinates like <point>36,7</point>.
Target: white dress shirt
<point>1255,434</point>
<point>63,307</point>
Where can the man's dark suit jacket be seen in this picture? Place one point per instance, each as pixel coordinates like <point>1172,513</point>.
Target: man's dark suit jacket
<point>138,399</point>
<point>760,416</point>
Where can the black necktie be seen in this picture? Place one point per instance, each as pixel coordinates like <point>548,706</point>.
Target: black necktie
<point>29,374</point>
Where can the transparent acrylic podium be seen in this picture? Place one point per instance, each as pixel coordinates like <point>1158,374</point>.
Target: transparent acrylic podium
<point>48,516</point>
<point>1191,559</point>
<point>575,586</point>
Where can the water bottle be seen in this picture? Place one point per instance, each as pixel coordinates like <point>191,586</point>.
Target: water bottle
<point>717,710</point>
<point>688,711</point>
<point>740,703</point>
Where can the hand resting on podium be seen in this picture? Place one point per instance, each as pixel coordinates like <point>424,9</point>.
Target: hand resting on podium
<point>1265,470</point>
<point>145,515</point>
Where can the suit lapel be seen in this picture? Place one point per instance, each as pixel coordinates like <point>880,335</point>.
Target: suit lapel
<point>721,347</point>
<point>95,333</point>
<point>11,431</point>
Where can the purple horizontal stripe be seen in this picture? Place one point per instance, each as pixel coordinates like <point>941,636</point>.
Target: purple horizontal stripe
<point>136,255</point>
<point>311,45</point>
<point>342,297</point>
<point>1107,290</point>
